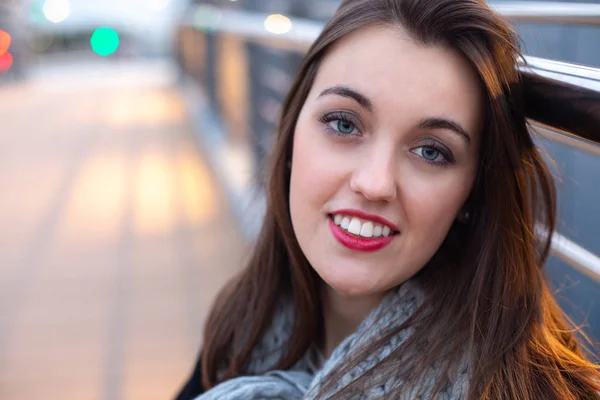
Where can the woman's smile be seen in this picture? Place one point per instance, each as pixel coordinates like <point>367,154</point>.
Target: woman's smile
<point>361,231</point>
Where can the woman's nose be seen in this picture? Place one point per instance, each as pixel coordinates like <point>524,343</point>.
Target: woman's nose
<point>375,178</point>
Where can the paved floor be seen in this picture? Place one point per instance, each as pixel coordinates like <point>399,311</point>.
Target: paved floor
<point>114,237</point>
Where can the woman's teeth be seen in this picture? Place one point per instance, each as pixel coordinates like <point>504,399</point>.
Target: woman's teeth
<point>361,228</point>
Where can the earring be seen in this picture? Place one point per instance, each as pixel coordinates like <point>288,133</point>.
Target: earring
<point>463,217</point>
<point>289,165</point>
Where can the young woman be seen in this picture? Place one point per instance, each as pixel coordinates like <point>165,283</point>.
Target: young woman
<point>406,229</point>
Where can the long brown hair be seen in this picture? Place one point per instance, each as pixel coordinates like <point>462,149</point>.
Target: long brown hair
<point>487,296</point>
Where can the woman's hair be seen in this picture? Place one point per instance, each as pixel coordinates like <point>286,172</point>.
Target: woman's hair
<point>487,296</point>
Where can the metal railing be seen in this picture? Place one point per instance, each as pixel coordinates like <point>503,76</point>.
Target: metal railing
<point>563,100</point>
<point>576,256</point>
<point>549,12</point>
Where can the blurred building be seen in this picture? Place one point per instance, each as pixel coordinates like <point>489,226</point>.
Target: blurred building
<point>67,30</point>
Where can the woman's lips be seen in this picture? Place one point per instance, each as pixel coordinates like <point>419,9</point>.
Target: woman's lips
<point>356,242</point>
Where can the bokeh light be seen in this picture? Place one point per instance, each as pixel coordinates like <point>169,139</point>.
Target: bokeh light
<point>278,24</point>
<point>207,17</point>
<point>157,5</point>
<point>40,43</point>
<point>105,41</point>
<point>36,12</point>
<point>5,40</point>
<point>6,61</point>
<point>56,11</point>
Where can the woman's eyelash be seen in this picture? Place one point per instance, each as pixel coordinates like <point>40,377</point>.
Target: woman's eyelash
<point>339,116</point>
<point>446,154</point>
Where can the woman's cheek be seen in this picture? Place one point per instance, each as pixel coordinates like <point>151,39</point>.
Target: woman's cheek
<point>432,200</point>
<point>319,164</point>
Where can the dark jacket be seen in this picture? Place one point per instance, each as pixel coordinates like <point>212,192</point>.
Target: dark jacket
<point>193,387</point>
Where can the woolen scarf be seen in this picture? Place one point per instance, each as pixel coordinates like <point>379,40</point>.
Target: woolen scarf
<point>308,376</point>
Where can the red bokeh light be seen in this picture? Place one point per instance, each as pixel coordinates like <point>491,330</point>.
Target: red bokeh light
<point>5,40</point>
<point>6,61</point>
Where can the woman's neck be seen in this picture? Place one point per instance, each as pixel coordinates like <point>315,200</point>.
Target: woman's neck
<point>342,314</point>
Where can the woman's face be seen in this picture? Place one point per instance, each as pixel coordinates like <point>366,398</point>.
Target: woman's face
<point>385,155</point>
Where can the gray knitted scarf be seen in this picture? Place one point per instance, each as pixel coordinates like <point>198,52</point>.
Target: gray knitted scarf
<point>307,377</point>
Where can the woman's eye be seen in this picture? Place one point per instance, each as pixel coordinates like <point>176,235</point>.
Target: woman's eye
<point>341,123</point>
<point>430,154</point>
<point>343,127</point>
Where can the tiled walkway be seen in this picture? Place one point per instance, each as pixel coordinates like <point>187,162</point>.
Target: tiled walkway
<point>114,238</point>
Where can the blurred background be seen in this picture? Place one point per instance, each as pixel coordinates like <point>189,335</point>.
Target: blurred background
<point>133,134</point>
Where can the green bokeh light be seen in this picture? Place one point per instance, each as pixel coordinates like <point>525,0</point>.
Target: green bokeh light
<point>35,12</point>
<point>105,41</point>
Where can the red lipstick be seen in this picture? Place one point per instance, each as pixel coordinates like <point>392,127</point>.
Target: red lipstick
<point>359,243</point>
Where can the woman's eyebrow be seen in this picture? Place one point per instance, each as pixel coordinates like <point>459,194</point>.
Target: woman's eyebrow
<point>345,91</point>
<point>428,123</point>
<point>443,123</point>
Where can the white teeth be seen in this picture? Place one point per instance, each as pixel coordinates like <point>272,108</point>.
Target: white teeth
<point>354,226</point>
<point>338,219</point>
<point>377,230</point>
<point>345,223</point>
<point>366,230</point>
<point>357,227</point>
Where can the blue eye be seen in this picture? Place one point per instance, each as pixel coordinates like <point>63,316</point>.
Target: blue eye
<point>340,123</point>
<point>430,154</point>
<point>345,127</point>
<point>433,154</point>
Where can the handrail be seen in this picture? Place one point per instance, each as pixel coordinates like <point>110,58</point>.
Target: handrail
<point>576,256</point>
<point>305,31</point>
<point>250,26</point>
<point>569,94</point>
<point>564,96</point>
<point>558,136</point>
<point>549,12</point>
<point>577,75</point>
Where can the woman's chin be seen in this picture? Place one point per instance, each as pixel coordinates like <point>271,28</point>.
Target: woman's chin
<point>349,283</point>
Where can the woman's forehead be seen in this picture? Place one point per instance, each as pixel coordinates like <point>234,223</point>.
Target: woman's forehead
<point>396,73</point>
